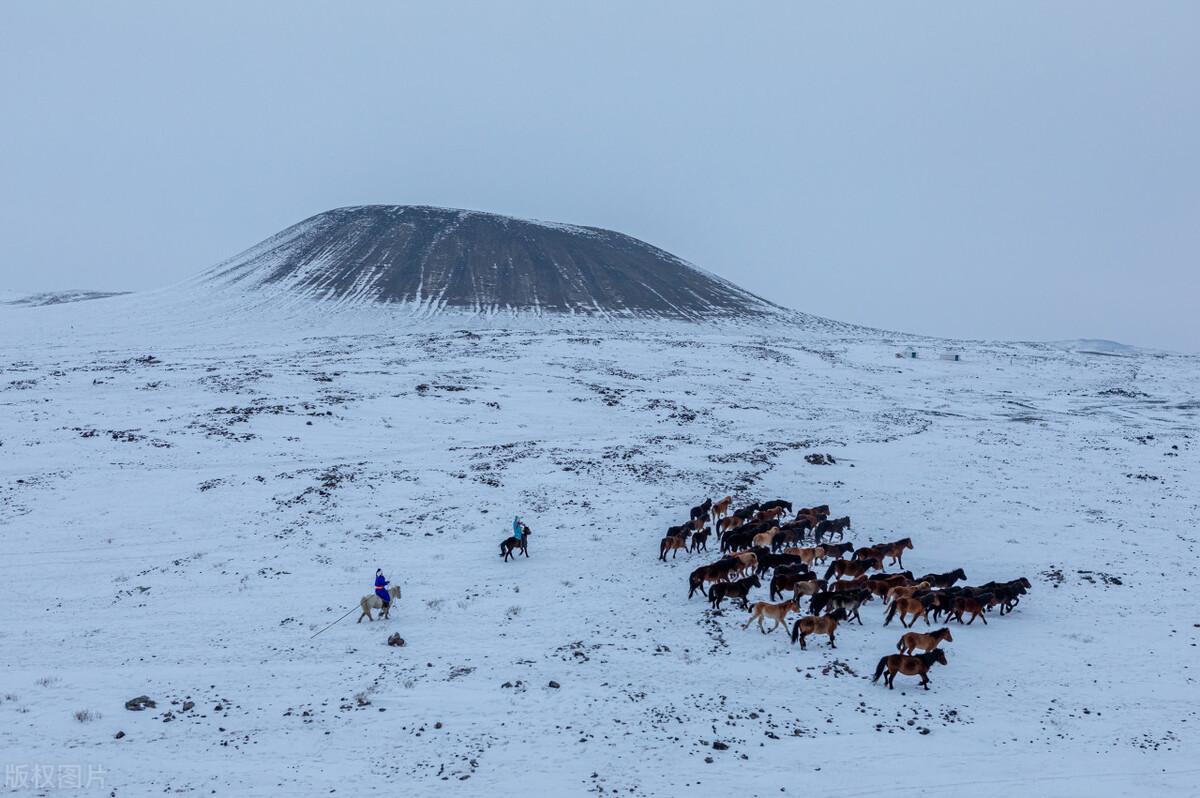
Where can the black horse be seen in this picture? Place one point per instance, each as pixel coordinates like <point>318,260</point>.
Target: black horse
<point>787,506</point>
<point>513,544</point>
<point>701,510</point>
<point>831,526</point>
<point>944,580</point>
<point>847,600</point>
<point>737,591</point>
<point>748,511</point>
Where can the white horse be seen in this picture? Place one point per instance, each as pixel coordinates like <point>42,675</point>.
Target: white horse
<point>374,602</point>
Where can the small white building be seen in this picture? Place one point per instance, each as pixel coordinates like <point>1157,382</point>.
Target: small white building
<point>955,356</point>
<point>907,353</point>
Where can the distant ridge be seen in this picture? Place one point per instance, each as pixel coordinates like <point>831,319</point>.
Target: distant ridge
<point>438,258</point>
<point>61,297</point>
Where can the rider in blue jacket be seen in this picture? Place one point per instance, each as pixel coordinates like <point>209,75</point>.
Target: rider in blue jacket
<point>518,527</point>
<point>381,590</point>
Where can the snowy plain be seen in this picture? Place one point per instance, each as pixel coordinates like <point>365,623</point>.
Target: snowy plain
<point>189,490</point>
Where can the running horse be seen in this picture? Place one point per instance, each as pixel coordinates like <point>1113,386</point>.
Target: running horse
<point>917,665</point>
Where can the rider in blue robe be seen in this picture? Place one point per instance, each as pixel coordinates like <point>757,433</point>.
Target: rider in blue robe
<point>381,590</point>
<point>518,528</point>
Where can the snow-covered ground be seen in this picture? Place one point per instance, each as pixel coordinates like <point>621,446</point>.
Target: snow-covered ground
<point>186,500</point>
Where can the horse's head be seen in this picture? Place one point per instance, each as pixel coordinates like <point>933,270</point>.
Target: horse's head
<point>754,581</point>
<point>939,656</point>
<point>838,615</point>
<point>960,573</point>
<point>906,543</point>
<point>944,634</point>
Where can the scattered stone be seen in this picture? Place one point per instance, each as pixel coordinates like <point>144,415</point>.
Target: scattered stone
<point>187,705</point>
<point>395,639</point>
<point>555,684</point>
<point>120,734</point>
<point>720,746</point>
<point>218,708</point>
<point>140,703</point>
<point>437,725</point>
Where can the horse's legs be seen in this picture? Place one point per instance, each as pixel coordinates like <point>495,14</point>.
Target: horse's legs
<point>803,645</point>
<point>831,643</point>
<point>925,680</point>
<point>983,617</point>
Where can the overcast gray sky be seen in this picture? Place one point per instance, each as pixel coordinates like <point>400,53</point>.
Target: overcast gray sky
<point>1006,170</point>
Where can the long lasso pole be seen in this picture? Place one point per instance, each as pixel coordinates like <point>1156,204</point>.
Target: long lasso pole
<point>352,609</point>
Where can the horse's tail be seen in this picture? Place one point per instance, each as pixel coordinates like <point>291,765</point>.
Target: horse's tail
<point>795,631</point>
<point>900,644</point>
<point>879,669</point>
<point>829,572</point>
<point>502,547</point>
<point>891,613</point>
<point>662,549</point>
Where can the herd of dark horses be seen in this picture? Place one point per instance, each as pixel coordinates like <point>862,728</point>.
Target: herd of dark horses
<point>758,542</point>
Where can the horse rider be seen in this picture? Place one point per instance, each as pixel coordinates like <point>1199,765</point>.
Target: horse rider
<point>518,528</point>
<point>381,588</point>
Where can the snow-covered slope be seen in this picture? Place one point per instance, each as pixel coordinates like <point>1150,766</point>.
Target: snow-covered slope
<point>184,505</point>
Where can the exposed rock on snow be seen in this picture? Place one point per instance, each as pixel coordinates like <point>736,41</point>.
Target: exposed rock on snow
<point>140,703</point>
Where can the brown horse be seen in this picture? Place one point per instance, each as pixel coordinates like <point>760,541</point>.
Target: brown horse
<point>918,665</point>
<point>842,568</point>
<point>729,522</point>
<point>863,553</point>
<point>814,515</point>
<point>843,585</point>
<point>776,612</point>
<point>807,555</point>
<point>770,515</point>
<point>975,605</point>
<point>880,585</point>
<point>896,550</point>
<point>673,544</point>
<point>765,539</point>
<point>911,641</point>
<point>718,571</point>
<point>904,591</point>
<point>747,562</point>
<point>817,625</point>
<point>720,508</point>
<point>905,607</point>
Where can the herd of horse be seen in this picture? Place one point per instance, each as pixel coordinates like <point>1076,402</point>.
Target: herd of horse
<point>767,541</point>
